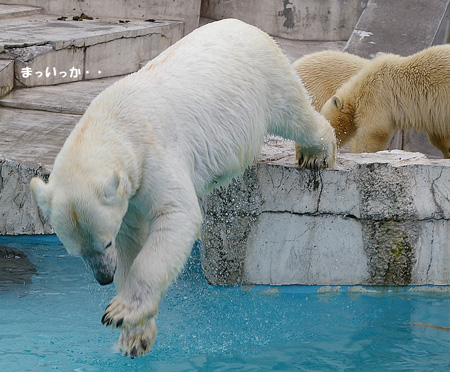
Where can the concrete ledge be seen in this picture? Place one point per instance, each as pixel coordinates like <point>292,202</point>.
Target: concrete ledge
<point>374,219</point>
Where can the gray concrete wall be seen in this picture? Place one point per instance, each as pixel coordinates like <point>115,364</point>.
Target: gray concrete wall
<point>187,11</point>
<point>402,27</point>
<point>296,19</point>
<point>374,219</point>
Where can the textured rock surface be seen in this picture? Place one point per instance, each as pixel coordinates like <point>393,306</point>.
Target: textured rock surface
<point>374,219</point>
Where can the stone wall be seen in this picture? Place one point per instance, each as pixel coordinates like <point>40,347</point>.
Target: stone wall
<point>374,219</point>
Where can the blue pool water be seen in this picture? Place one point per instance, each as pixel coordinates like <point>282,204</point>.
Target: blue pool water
<point>53,323</point>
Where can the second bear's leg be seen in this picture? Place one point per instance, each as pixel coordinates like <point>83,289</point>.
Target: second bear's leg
<point>371,137</point>
<point>441,143</point>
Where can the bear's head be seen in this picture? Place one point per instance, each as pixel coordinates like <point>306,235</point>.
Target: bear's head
<point>86,217</point>
<point>340,113</point>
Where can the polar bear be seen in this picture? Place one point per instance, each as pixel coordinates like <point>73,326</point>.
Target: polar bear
<point>322,73</point>
<point>123,193</point>
<point>393,92</point>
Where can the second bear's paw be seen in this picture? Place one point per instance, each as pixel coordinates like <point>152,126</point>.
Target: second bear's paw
<point>129,314</point>
<point>138,341</point>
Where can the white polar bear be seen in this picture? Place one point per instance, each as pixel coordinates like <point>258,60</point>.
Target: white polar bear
<point>123,191</point>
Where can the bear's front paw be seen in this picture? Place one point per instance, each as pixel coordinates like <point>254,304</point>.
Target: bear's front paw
<point>315,161</point>
<point>321,156</point>
<point>138,341</point>
<point>129,314</point>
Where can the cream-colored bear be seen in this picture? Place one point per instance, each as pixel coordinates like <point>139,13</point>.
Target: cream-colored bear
<point>322,73</point>
<point>393,92</point>
<point>124,189</point>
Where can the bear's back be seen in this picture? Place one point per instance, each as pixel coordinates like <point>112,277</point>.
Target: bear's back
<point>413,91</point>
<point>322,73</point>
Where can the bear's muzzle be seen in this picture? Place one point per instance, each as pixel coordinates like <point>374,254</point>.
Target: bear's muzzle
<point>103,266</point>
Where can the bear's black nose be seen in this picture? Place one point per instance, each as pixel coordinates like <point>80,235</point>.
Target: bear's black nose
<point>104,279</point>
<point>103,267</point>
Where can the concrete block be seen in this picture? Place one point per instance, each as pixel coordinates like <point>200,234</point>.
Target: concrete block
<point>374,219</point>
<point>297,19</point>
<point>305,249</point>
<point>6,77</point>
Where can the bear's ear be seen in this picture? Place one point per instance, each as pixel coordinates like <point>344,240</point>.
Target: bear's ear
<point>116,188</point>
<point>111,189</point>
<point>337,102</point>
<point>42,194</point>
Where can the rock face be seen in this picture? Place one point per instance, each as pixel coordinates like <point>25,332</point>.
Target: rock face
<point>374,219</point>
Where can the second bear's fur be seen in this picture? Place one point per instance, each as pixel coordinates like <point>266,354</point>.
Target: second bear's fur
<point>393,92</point>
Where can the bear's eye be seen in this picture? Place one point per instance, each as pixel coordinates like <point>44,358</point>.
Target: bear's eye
<point>109,244</point>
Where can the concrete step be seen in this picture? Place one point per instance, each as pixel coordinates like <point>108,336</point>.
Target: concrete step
<point>13,11</point>
<point>70,99</point>
<point>48,51</point>
<point>6,76</point>
<point>33,137</point>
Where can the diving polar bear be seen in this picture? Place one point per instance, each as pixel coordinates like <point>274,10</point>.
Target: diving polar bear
<point>124,187</point>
